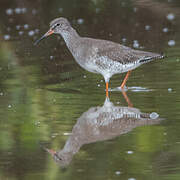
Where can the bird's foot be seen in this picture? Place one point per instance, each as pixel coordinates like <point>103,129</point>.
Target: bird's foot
<point>125,88</point>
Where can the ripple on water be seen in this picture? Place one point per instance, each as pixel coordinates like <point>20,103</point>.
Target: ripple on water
<point>133,89</point>
<point>129,152</point>
<point>67,134</point>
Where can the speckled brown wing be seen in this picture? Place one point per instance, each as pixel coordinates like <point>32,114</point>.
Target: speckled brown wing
<point>123,54</point>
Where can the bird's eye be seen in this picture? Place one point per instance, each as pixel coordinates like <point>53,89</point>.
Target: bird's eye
<point>57,24</point>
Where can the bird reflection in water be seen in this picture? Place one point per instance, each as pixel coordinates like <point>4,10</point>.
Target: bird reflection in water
<point>102,123</point>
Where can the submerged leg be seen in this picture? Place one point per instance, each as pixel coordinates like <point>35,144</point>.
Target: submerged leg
<point>127,99</point>
<point>50,151</point>
<point>125,79</point>
<point>107,95</point>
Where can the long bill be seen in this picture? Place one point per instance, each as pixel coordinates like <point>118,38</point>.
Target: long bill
<point>44,36</point>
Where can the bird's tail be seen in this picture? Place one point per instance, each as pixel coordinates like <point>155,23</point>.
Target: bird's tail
<point>150,58</point>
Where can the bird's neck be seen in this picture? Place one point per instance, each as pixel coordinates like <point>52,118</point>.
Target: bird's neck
<point>71,37</point>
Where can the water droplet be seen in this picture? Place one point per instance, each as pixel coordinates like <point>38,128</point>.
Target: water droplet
<point>6,37</point>
<point>31,33</point>
<point>136,44</point>
<point>17,10</point>
<point>117,172</point>
<point>147,27</point>
<point>154,115</point>
<point>171,42</point>
<point>51,57</point>
<point>9,106</point>
<point>26,26</point>
<point>98,85</point>
<point>9,11</point>
<point>130,152</point>
<point>170,16</point>
<point>165,29</point>
<point>18,27</point>
<point>124,40</point>
<point>80,21</point>
<point>169,89</point>
<point>34,11</point>
<point>36,31</point>
<point>37,123</point>
<point>84,76</point>
<point>60,10</point>
<point>20,33</point>
<point>1,94</point>
<point>135,9</point>
<point>131,179</point>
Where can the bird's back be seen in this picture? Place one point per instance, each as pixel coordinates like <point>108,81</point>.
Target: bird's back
<point>120,53</point>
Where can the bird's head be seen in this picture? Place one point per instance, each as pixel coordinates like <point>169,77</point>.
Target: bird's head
<point>57,26</point>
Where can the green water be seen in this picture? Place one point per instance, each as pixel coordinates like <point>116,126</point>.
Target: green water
<point>45,95</point>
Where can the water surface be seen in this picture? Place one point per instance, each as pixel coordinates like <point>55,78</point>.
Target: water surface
<point>48,101</point>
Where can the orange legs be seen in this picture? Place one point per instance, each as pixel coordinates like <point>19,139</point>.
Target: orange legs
<point>107,89</point>
<point>123,92</point>
<point>122,85</point>
<point>125,79</point>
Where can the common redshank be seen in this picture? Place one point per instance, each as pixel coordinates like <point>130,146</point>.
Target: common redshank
<point>99,56</point>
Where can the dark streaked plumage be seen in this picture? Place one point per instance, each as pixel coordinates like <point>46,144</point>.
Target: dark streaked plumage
<point>100,56</point>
